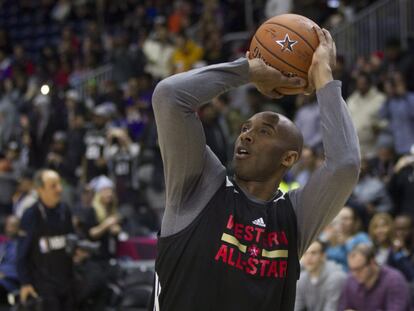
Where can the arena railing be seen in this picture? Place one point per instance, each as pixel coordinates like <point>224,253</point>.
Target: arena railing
<point>370,28</point>
<point>99,76</point>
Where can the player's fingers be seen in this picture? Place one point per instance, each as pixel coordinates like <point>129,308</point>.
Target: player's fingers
<point>328,36</point>
<point>321,35</point>
<point>295,82</point>
<point>248,55</point>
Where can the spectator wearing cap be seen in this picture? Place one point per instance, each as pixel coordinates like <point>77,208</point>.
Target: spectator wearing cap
<point>320,285</point>
<point>364,105</point>
<point>104,224</point>
<point>371,287</point>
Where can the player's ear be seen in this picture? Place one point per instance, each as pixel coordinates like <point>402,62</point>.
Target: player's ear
<point>289,158</point>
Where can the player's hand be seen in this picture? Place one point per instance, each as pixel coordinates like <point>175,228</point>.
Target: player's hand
<point>26,291</point>
<point>267,79</point>
<point>323,61</point>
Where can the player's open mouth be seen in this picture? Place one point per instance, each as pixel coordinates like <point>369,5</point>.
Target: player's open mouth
<point>242,153</point>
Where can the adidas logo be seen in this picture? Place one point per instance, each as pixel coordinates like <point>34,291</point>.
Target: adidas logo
<point>259,222</point>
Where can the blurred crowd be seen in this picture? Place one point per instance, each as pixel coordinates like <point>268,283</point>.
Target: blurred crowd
<point>102,144</point>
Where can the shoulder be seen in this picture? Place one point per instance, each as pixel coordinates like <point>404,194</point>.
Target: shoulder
<point>392,276</point>
<point>30,213</point>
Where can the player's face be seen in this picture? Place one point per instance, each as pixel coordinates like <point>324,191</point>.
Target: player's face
<point>259,148</point>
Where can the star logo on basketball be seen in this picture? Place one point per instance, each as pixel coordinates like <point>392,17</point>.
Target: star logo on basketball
<point>253,251</point>
<point>286,43</point>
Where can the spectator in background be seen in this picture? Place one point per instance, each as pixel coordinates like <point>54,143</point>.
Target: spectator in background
<point>43,265</point>
<point>398,110</point>
<point>388,249</point>
<point>215,137</point>
<point>306,166</point>
<point>158,50</point>
<point>9,281</point>
<point>122,155</point>
<point>347,233</point>
<point>369,195</point>
<point>341,73</point>
<point>94,162</point>
<point>42,126</point>
<point>371,287</point>
<point>381,232</point>
<point>126,63</point>
<point>364,105</point>
<point>186,53</point>
<point>382,165</point>
<point>403,246</point>
<point>395,58</point>
<point>8,184</point>
<point>25,195</point>
<point>401,186</point>
<point>104,224</point>
<point>320,285</point>
<point>307,119</point>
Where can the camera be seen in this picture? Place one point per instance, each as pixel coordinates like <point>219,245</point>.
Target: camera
<point>73,242</point>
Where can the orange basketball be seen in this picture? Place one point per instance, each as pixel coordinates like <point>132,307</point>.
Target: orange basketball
<point>286,42</point>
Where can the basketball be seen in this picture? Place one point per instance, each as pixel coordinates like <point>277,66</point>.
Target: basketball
<point>286,42</point>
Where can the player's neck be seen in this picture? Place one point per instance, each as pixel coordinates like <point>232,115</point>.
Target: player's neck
<point>262,190</point>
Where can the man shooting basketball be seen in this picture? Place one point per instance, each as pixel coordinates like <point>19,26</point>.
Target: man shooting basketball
<point>235,244</point>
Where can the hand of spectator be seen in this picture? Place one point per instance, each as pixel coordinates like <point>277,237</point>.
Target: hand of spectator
<point>26,291</point>
<point>115,229</point>
<point>323,61</point>
<point>267,79</point>
<point>111,221</point>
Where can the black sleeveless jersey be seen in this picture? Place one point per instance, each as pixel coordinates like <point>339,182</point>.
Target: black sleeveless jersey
<point>236,255</point>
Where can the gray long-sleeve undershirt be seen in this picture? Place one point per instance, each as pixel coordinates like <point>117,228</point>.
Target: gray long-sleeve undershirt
<point>193,173</point>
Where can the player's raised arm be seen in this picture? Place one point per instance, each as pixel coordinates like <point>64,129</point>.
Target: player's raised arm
<point>318,202</point>
<point>189,167</point>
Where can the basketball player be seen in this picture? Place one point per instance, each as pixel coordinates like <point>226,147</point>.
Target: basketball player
<point>235,244</point>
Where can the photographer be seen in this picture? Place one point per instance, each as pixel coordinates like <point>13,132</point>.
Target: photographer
<point>122,154</point>
<point>43,265</point>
